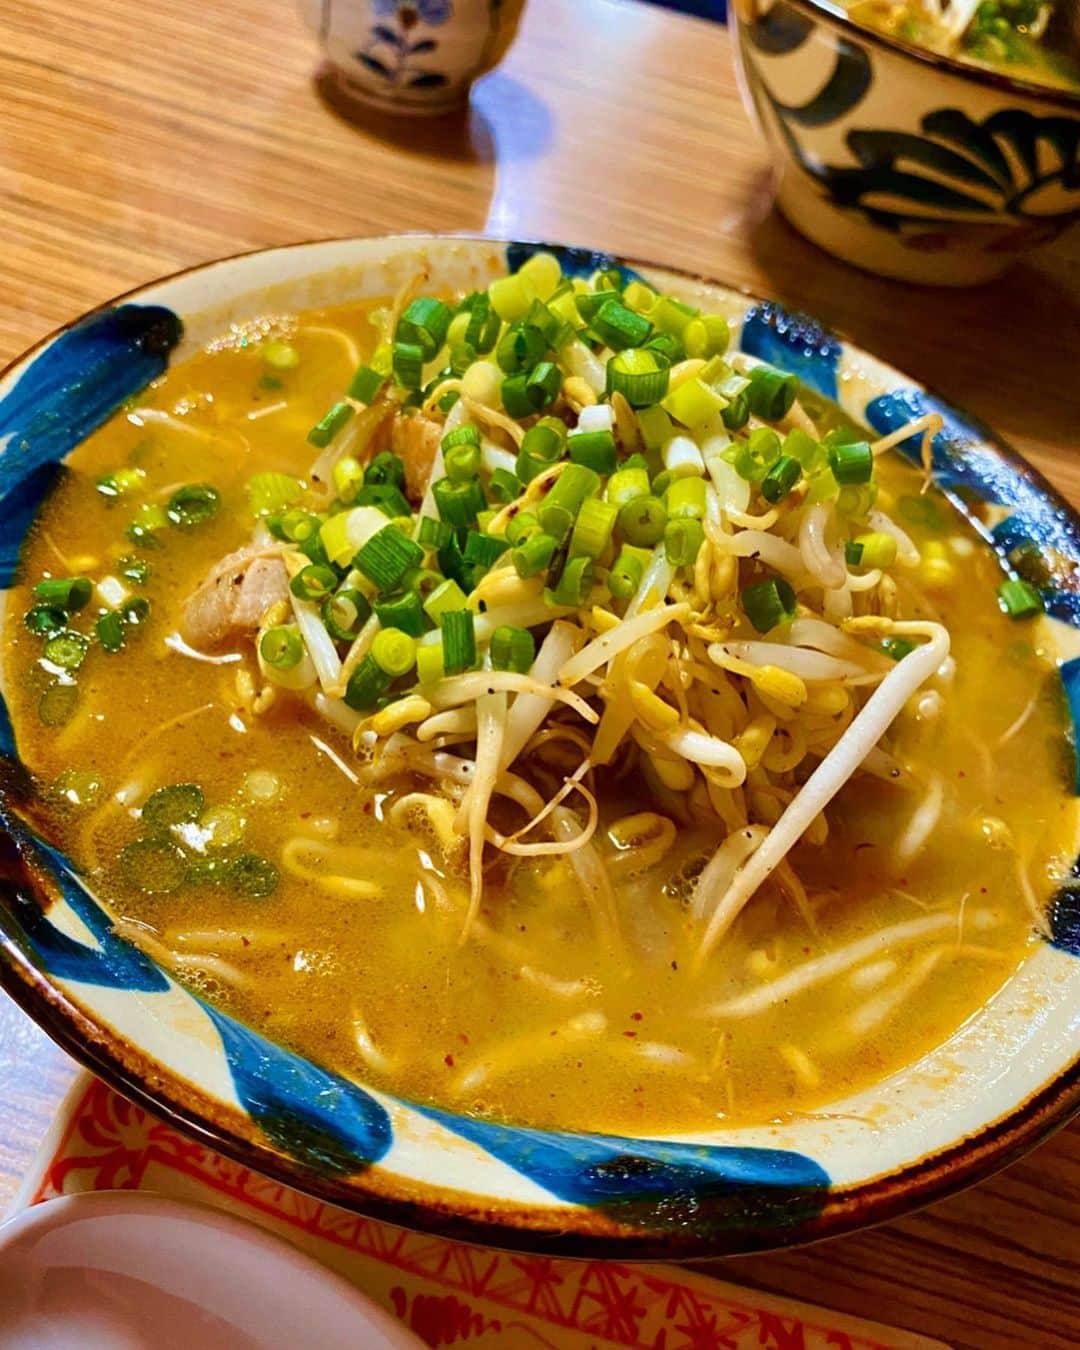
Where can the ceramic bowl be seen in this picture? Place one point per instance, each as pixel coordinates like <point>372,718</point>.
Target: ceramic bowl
<point>906,163</point>
<point>1000,1084</point>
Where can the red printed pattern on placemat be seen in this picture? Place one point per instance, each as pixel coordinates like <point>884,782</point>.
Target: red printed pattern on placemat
<point>456,1292</point>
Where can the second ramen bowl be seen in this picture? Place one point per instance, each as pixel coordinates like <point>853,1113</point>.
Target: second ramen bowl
<point>903,162</point>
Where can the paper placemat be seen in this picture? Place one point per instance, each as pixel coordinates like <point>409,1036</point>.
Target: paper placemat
<point>449,1293</point>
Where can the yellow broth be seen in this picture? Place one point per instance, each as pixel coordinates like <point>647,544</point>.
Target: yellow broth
<point>533,1019</point>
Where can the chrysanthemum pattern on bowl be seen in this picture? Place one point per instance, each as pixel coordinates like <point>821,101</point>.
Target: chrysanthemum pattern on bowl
<point>901,165</point>
<point>1011,1071</point>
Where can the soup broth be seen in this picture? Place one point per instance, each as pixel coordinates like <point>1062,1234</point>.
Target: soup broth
<point>341,935</point>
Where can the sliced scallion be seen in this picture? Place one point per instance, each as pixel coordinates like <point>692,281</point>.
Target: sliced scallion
<point>780,478</point>
<point>458,640</point>
<point>682,541</point>
<point>330,423</point>
<point>282,648</point>
<point>771,392</point>
<point>387,556</point>
<point>424,324</point>
<point>594,449</point>
<point>394,651</point>
<point>403,612</point>
<point>366,685</point>
<point>640,375</point>
<point>193,504</point>
<point>557,510</point>
<point>67,593</point>
<point>66,649</point>
<point>593,528</point>
<point>574,584</point>
<point>769,603</point>
<point>512,649</point>
<point>643,521</point>
<point>1019,599</point>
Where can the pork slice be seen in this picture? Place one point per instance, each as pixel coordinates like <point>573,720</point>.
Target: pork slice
<point>233,597</point>
<point>416,439</point>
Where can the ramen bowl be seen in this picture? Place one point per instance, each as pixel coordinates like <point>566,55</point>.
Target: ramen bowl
<point>1008,1076</point>
<point>901,161</point>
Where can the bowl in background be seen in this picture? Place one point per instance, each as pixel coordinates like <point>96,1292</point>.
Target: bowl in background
<point>1007,1077</point>
<point>904,162</point>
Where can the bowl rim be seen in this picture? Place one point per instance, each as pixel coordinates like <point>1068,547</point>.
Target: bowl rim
<point>831,13</point>
<point>188,1108</point>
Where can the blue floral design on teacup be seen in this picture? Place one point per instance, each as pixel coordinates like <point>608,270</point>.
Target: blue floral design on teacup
<point>389,51</point>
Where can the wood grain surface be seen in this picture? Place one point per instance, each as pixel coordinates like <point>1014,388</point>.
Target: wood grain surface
<point>138,138</point>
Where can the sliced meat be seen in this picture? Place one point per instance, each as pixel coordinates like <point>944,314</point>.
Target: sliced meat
<point>416,439</point>
<point>233,596</point>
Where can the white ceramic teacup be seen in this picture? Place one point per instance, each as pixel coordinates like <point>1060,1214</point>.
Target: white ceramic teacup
<point>417,57</point>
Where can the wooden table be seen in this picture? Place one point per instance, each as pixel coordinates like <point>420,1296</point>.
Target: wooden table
<point>138,138</point>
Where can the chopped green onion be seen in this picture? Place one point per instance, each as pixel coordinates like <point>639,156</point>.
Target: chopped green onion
<point>520,527</point>
<point>520,348</point>
<point>643,521</point>
<point>66,593</point>
<point>390,500</point>
<point>707,335</point>
<point>386,469</point>
<point>575,583</point>
<point>282,648</point>
<point>620,327</point>
<point>394,652</point>
<point>590,303</point>
<point>897,648</point>
<point>543,385</point>
<point>627,571</point>
<point>253,876</point>
<point>434,533</point>
<point>134,569</point>
<point>656,427</point>
<point>344,613</point>
<point>177,804</point>
<point>640,375</point>
<point>639,297</point>
<point>444,598</point>
<point>556,328</point>
<point>682,540</point>
<point>453,566</point>
<point>533,555</point>
<point>593,528</point>
<point>557,511</point>
<point>116,484</point>
<point>543,272</point>
<point>484,550</point>
<point>609,278</point>
<point>626,485</point>
<point>348,478</point>
<point>771,392</point>
<point>155,866</point>
<point>422,581</point>
<point>511,297</point>
<point>193,504</point>
<point>269,494</point>
<point>429,662</point>
<point>331,422</point>
<point>594,449</point>
<point>458,640</point>
<point>852,462</point>
<point>66,649</point>
<point>365,384</point>
<point>821,486</point>
<point>280,355</point>
<point>460,436</point>
<point>44,620</point>
<point>768,603</point>
<point>737,413</point>
<point>541,446</point>
<point>876,549</point>
<point>135,611</point>
<point>424,324</point>
<point>314,582</point>
<point>484,324</point>
<point>367,684</point>
<point>408,364</point>
<point>666,347</point>
<point>1018,599</point>
<point>801,446</point>
<point>57,703</point>
<point>448,400</point>
<point>856,500</point>
<point>512,649</point>
<point>504,486</point>
<point>110,630</point>
<point>403,612</point>
<point>693,403</point>
<point>296,526</point>
<point>458,503</point>
<point>462,462</point>
<point>782,476</point>
<point>754,455</point>
<point>387,556</point>
<point>685,498</point>
<point>671,315</point>
<point>515,398</point>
